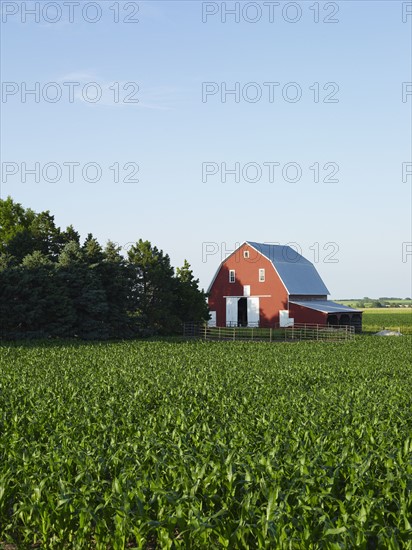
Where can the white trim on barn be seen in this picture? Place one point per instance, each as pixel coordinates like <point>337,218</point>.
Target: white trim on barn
<point>221,263</point>
<point>271,263</point>
<point>254,296</point>
<point>234,252</point>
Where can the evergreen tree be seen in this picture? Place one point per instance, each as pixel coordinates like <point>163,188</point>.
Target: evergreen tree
<point>13,309</point>
<point>69,235</point>
<point>34,302</point>
<point>92,251</point>
<point>191,301</point>
<point>85,291</point>
<point>6,260</point>
<point>116,282</point>
<point>51,286</point>
<point>153,288</point>
<point>36,259</point>
<point>70,255</point>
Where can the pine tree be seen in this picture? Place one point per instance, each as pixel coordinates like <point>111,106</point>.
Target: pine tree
<point>51,286</point>
<point>85,291</point>
<point>92,251</point>
<point>153,288</point>
<point>115,279</point>
<point>191,301</point>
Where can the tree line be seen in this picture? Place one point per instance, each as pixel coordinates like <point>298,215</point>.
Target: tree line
<point>52,285</point>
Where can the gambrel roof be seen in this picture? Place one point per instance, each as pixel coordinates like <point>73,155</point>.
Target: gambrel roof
<point>296,272</point>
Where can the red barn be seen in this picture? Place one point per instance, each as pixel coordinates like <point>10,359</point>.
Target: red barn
<point>268,285</point>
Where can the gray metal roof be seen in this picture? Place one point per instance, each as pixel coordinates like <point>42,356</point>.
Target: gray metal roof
<point>326,306</point>
<point>298,274</point>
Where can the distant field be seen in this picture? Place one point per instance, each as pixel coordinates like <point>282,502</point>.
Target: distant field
<point>350,303</point>
<point>388,318</point>
<point>157,445</point>
<point>353,303</point>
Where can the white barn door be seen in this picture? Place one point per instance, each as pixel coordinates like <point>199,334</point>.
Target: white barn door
<point>231,312</point>
<point>253,312</point>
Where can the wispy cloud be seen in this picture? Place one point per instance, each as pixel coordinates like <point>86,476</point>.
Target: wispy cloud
<point>80,76</point>
<point>119,93</point>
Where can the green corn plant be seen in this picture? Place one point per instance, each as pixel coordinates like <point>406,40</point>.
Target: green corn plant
<point>238,445</point>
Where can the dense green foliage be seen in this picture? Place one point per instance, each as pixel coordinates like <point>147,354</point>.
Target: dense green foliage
<point>52,286</point>
<point>207,445</point>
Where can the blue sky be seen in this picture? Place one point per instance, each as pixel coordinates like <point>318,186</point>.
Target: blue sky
<point>362,221</point>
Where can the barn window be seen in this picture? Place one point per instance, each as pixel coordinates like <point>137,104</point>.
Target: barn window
<point>261,275</point>
<point>232,276</point>
<point>246,253</point>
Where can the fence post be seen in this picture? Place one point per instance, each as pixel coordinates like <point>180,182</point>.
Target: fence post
<point>234,333</point>
<point>270,334</point>
<point>205,331</point>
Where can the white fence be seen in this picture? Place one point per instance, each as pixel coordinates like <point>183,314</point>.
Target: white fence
<point>298,332</point>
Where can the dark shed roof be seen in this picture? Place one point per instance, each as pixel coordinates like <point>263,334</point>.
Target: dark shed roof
<point>325,306</point>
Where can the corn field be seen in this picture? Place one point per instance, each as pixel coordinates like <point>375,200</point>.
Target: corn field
<point>375,320</point>
<point>164,445</point>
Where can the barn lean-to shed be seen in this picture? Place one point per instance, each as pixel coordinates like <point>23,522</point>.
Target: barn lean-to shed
<point>269,285</point>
